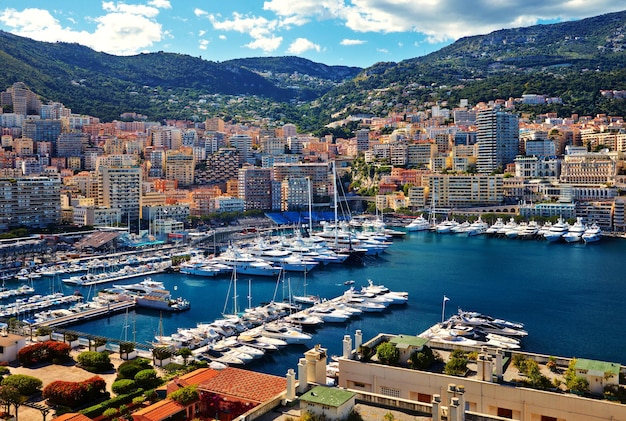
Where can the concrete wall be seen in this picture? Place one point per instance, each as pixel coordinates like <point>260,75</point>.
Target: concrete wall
<point>481,397</point>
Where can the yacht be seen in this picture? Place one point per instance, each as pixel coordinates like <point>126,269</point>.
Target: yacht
<point>575,232</point>
<point>446,226</point>
<point>461,228</point>
<point>477,227</point>
<point>509,226</point>
<point>529,230</point>
<point>330,314</point>
<point>492,230</point>
<point>204,269</point>
<point>418,224</point>
<point>557,230</point>
<point>245,263</point>
<point>286,332</point>
<point>592,234</point>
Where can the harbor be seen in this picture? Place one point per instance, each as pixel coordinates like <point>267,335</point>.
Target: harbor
<point>560,291</point>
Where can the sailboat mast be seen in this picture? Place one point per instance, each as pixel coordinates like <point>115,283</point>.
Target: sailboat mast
<point>308,179</point>
<point>249,293</point>
<point>335,201</point>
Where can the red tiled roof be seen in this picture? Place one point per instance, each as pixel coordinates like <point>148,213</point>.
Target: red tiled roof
<point>198,376</point>
<point>245,384</point>
<point>159,410</point>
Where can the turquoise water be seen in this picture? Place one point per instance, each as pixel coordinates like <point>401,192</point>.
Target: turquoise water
<point>569,296</point>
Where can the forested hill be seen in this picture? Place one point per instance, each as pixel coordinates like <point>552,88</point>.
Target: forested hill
<point>573,60</point>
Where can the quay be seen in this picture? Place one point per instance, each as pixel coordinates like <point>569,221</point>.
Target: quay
<point>88,314</point>
<point>160,269</point>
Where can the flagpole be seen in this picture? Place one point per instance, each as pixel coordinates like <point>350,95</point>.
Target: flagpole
<point>443,307</point>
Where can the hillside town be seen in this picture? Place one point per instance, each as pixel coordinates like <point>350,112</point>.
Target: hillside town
<point>163,182</point>
<point>62,168</point>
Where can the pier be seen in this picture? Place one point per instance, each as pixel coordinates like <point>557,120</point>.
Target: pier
<point>88,314</point>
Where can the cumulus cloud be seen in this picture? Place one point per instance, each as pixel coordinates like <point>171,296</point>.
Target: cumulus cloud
<point>204,44</point>
<point>347,41</point>
<point>123,29</point>
<point>261,30</point>
<point>200,12</point>
<point>300,45</point>
<point>439,20</point>
<point>222,37</point>
<point>161,4</point>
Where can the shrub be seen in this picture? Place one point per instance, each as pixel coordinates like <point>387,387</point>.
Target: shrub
<point>421,360</point>
<point>147,379</point>
<point>110,412</point>
<point>96,362</point>
<point>129,369</point>
<point>26,385</point>
<point>43,352</point>
<point>355,416</point>
<point>518,361</point>
<point>185,395</point>
<point>43,331</point>
<point>388,353</point>
<point>74,393</point>
<point>123,386</point>
<point>97,410</point>
<point>457,363</point>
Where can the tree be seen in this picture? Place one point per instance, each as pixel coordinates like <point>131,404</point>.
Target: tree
<point>10,396</point>
<point>457,363</point>
<point>185,353</point>
<point>123,386</point>
<point>26,385</point>
<point>147,379</point>
<point>388,353</point>
<point>421,360</point>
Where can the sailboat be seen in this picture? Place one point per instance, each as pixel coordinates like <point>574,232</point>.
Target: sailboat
<point>306,299</point>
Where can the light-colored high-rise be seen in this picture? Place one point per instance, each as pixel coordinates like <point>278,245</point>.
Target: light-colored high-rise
<point>497,140</point>
<point>30,201</point>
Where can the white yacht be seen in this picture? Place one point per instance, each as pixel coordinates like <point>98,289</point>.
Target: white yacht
<point>329,314</point>
<point>477,227</point>
<point>418,224</point>
<point>285,331</point>
<point>202,268</point>
<point>461,228</point>
<point>246,264</point>
<point>575,232</point>
<point>557,230</point>
<point>446,226</point>
<point>492,230</point>
<point>592,234</point>
<point>509,226</point>
<point>529,230</point>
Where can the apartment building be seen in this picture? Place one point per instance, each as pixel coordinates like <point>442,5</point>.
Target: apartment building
<point>180,166</point>
<point>589,168</point>
<point>497,140</point>
<point>255,187</point>
<point>120,187</point>
<point>318,173</point>
<point>461,191</point>
<point>29,201</point>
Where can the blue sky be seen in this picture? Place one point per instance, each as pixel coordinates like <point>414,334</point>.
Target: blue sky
<point>335,32</point>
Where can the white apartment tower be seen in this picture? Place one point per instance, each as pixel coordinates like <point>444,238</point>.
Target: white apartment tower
<point>497,140</point>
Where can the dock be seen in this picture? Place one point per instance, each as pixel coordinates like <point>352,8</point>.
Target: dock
<point>89,314</point>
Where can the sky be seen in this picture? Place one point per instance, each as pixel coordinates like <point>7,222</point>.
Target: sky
<point>334,32</point>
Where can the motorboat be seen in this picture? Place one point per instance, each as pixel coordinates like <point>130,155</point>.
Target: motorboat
<point>461,228</point>
<point>418,224</point>
<point>556,231</point>
<point>592,234</point>
<point>305,319</point>
<point>286,332</point>
<point>511,225</point>
<point>477,227</point>
<point>446,226</point>
<point>529,230</point>
<point>493,229</point>
<point>329,314</point>
<point>201,268</point>
<point>575,232</point>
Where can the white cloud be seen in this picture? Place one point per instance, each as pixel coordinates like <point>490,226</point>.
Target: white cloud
<point>300,45</point>
<point>439,20</point>
<point>383,50</point>
<point>201,33</point>
<point>123,29</point>
<point>161,4</point>
<point>222,37</point>
<point>204,44</point>
<point>200,12</point>
<point>347,41</point>
<point>261,30</point>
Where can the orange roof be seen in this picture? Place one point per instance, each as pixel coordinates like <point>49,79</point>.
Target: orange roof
<point>159,411</point>
<point>245,384</point>
<point>72,417</point>
<point>197,376</point>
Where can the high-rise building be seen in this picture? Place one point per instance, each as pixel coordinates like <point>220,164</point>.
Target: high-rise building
<point>42,130</point>
<point>179,166</point>
<point>362,140</point>
<point>21,99</point>
<point>72,144</point>
<point>30,201</point>
<point>243,144</point>
<point>497,140</point>
<point>289,130</point>
<point>120,187</point>
<point>255,187</point>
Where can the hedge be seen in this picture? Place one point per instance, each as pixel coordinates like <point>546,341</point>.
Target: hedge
<point>97,410</point>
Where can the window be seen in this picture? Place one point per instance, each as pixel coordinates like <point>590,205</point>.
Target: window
<point>423,397</point>
<point>387,391</point>
<point>546,418</point>
<point>505,413</point>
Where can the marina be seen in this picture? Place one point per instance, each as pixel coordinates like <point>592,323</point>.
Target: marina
<point>560,291</point>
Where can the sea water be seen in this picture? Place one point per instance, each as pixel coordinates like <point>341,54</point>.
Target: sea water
<point>569,296</point>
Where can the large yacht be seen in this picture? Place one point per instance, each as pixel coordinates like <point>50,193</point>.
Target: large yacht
<point>477,227</point>
<point>557,230</point>
<point>418,224</point>
<point>492,230</point>
<point>592,234</point>
<point>575,232</point>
